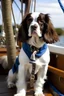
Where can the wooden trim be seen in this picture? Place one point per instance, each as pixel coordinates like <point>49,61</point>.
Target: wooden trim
<point>3,51</point>
<point>56,71</point>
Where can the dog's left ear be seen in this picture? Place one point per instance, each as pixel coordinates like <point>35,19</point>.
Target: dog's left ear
<point>46,18</point>
<point>50,35</point>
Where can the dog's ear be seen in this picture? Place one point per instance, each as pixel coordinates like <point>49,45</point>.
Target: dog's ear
<point>46,18</point>
<point>23,31</point>
<point>50,35</point>
<point>22,34</point>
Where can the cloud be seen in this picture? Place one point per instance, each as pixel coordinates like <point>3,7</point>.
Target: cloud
<point>53,8</point>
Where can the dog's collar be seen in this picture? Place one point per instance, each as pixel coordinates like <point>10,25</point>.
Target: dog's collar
<point>28,49</point>
<point>33,48</point>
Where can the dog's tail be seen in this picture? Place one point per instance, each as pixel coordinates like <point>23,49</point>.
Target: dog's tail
<point>4,61</point>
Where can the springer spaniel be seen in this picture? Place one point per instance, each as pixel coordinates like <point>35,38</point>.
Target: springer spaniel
<point>35,32</point>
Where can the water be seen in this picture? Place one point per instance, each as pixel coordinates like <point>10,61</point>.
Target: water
<point>60,42</point>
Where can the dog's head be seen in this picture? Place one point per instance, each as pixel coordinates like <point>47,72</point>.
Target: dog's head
<point>37,24</point>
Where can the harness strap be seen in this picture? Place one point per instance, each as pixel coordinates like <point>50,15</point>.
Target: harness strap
<point>32,77</point>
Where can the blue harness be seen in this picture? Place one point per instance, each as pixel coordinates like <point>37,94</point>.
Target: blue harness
<point>15,66</point>
<point>27,50</point>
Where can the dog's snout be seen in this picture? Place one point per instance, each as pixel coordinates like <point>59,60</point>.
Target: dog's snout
<point>34,26</point>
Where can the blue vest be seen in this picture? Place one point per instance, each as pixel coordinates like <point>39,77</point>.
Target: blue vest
<point>27,50</point>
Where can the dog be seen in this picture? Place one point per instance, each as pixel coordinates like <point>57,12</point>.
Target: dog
<point>36,31</point>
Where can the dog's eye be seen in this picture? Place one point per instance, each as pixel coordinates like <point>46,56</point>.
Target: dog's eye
<point>29,20</point>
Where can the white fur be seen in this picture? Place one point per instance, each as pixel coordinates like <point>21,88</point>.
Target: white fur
<point>35,15</point>
<point>11,79</point>
<point>37,29</point>
<point>4,61</point>
<point>41,67</point>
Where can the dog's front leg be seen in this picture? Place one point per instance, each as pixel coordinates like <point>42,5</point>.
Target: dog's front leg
<point>21,83</point>
<point>41,80</point>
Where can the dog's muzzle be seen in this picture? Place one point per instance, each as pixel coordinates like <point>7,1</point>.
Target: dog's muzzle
<point>33,27</point>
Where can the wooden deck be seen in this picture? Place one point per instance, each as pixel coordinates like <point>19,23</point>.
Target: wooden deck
<point>5,91</point>
<point>3,51</point>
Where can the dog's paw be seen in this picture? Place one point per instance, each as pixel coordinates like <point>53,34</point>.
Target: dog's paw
<point>11,85</point>
<point>39,94</point>
<point>19,94</point>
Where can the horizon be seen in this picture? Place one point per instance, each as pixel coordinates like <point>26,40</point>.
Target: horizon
<point>54,27</point>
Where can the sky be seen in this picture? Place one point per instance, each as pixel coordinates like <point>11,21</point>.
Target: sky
<point>51,7</point>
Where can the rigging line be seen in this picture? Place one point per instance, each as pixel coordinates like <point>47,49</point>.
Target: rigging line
<point>31,5</point>
<point>22,9</point>
<point>34,5</point>
<point>2,20</point>
<point>17,6</point>
<point>61,5</point>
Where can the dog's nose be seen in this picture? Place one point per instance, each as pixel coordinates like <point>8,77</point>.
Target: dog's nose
<point>33,27</point>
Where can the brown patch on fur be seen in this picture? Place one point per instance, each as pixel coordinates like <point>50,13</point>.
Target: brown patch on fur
<point>51,35</point>
<point>23,30</point>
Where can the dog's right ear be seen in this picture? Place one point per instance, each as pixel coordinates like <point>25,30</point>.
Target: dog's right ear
<point>23,31</point>
<point>22,34</point>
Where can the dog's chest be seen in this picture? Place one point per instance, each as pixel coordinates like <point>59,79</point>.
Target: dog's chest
<point>35,41</point>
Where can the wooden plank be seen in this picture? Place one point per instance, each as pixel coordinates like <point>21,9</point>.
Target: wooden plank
<point>5,91</point>
<point>56,71</point>
<point>7,94</point>
<point>3,51</point>
<point>3,78</point>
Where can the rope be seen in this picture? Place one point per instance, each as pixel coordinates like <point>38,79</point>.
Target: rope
<point>17,5</point>
<point>22,9</point>
<point>33,6</point>
<point>61,5</point>
<point>2,21</point>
